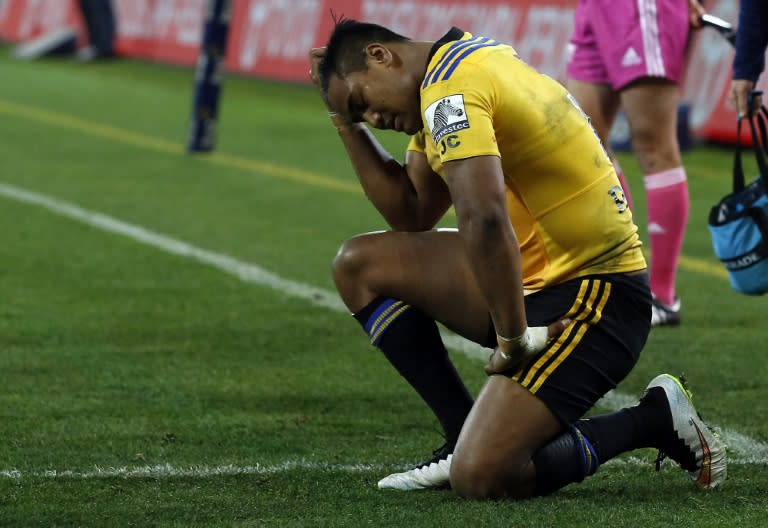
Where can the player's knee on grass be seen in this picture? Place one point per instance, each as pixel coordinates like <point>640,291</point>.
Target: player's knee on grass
<point>483,478</point>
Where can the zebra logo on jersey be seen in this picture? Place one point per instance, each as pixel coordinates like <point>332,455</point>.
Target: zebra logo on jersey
<point>446,116</point>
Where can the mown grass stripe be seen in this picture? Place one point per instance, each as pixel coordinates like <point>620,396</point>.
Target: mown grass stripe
<point>147,142</point>
<point>155,144</point>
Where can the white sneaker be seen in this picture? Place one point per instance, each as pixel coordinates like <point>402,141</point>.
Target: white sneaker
<point>434,473</point>
<point>690,443</point>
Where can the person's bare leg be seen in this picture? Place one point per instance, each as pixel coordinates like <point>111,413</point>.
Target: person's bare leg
<point>651,108</point>
<point>507,425</point>
<point>424,269</point>
<point>397,285</point>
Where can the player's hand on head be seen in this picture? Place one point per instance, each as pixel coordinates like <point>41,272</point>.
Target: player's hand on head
<point>511,352</point>
<point>315,56</point>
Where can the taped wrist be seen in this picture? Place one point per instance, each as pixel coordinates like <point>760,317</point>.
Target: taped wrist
<point>338,121</point>
<point>531,341</point>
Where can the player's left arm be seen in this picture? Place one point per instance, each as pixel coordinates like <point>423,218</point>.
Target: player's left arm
<point>477,187</point>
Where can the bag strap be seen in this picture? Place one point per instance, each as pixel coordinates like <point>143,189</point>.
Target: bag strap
<point>760,142</point>
<point>759,133</point>
<point>761,116</point>
<point>738,169</point>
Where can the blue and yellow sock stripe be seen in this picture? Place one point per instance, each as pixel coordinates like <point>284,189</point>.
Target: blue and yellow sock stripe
<point>589,459</point>
<point>386,313</point>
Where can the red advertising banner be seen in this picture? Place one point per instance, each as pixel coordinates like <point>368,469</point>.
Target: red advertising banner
<point>270,38</point>
<point>22,20</point>
<point>162,30</point>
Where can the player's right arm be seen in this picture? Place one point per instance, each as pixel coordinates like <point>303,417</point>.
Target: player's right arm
<point>410,196</point>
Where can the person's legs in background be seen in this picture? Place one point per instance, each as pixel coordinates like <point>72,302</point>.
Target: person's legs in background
<point>651,108</point>
<point>99,20</point>
<point>650,97</point>
<point>639,72</point>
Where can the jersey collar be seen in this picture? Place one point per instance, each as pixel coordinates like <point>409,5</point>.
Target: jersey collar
<point>453,34</point>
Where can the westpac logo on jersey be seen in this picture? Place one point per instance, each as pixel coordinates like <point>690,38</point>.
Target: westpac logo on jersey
<point>446,115</point>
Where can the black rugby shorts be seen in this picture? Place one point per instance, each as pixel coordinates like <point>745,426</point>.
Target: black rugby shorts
<point>611,319</point>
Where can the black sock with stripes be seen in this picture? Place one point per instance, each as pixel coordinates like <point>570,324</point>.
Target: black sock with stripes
<point>411,342</point>
<point>627,429</point>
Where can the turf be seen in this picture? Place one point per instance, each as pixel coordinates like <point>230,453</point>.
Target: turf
<point>142,387</point>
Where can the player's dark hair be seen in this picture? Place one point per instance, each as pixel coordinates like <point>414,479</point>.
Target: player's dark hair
<point>345,50</point>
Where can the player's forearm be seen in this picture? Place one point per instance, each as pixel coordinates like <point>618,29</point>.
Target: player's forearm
<point>494,253</point>
<point>384,180</point>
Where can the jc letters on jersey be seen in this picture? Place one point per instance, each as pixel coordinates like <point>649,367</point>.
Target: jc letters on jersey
<point>446,116</point>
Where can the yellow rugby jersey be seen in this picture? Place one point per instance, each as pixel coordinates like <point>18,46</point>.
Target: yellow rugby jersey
<point>564,198</point>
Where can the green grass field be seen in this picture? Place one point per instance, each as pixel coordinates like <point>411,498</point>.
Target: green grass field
<point>172,353</point>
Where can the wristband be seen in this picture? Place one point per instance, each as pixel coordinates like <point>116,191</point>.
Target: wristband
<point>521,342</point>
<point>338,121</point>
<point>532,340</point>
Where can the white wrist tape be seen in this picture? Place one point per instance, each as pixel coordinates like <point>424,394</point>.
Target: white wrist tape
<point>532,340</point>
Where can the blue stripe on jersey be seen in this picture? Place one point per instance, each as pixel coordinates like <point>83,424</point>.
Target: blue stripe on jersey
<point>461,57</point>
<point>451,52</point>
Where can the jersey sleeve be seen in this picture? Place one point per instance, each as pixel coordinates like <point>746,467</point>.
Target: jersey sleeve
<point>458,114</point>
<point>417,143</point>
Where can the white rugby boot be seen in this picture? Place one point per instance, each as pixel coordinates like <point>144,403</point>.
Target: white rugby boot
<point>690,442</point>
<point>433,473</point>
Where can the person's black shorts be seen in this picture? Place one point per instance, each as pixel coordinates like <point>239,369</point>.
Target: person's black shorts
<point>611,318</point>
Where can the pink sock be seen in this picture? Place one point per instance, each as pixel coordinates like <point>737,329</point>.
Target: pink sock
<point>624,184</point>
<point>667,197</point>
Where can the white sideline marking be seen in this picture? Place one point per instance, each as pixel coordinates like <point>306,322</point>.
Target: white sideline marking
<point>743,449</point>
<point>246,272</point>
<point>167,470</point>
